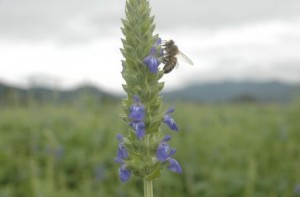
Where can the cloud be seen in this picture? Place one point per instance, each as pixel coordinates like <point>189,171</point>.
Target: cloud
<point>78,41</point>
<point>57,20</point>
<point>259,51</point>
<point>220,13</point>
<point>81,21</point>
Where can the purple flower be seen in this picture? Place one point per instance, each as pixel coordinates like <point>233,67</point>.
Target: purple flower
<point>297,189</point>
<point>122,152</point>
<point>124,173</point>
<point>158,41</point>
<point>119,137</point>
<point>137,110</point>
<point>174,166</point>
<point>139,127</point>
<point>151,60</point>
<point>163,153</point>
<point>167,138</point>
<point>169,120</point>
<point>136,99</point>
<point>137,114</point>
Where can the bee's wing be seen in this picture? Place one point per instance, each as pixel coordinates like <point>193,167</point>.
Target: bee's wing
<point>185,58</point>
<point>177,65</point>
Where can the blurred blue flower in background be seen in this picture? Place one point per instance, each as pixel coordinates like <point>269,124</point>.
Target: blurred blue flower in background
<point>297,189</point>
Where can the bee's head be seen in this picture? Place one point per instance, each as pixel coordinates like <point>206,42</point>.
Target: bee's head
<point>171,42</point>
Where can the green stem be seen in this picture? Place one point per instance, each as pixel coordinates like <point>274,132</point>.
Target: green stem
<point>148,188</point>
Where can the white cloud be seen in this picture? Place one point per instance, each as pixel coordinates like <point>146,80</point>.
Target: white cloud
<point>249,51</point>
<point>97,62</point>
<point>56,20</point>
<point>255,51</point>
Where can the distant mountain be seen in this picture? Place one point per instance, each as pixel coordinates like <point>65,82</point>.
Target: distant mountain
<point>11,94</point>
<point>210,92</point>
<point>236,92</point>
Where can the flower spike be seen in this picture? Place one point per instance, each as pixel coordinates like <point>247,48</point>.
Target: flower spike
<point>143,152</point>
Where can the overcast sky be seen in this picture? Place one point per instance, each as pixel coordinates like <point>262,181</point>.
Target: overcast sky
<point>64,43</point>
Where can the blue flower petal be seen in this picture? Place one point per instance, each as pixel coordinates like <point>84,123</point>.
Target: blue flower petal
<point>139,127</point>
<point>136,99</point>
<point>120,137</point>
<point>124,173</point>
<point>137,112</point>
<point>174,166</point>
<point>170,110</point>
<point>152,63</point>
<point>167,138</point>
<point>152,51</point>
<point>140,133</point>
<point>172,152</point>
<point>170,122</point>
<point>158,41</point>
<point>297,189</point>
<point>119,160</point>
<point>122,151</point>
<point>162,151</point>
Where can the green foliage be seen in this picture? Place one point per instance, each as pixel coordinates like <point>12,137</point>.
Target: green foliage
<point>227,150</point>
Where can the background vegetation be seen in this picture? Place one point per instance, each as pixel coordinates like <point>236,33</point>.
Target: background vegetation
<point>225,150</point>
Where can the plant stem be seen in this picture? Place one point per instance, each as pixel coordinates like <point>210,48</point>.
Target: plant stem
<point>148,188</point>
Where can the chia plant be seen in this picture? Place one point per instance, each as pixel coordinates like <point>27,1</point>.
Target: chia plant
<point>144,151</point>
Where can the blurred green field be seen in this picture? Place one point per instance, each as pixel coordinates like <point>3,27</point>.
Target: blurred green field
<point>225,150</point>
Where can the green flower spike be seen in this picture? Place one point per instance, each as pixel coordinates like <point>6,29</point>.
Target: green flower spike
<point>144,143</point>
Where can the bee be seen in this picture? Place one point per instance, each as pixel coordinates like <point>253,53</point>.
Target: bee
<point>170,56</point>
